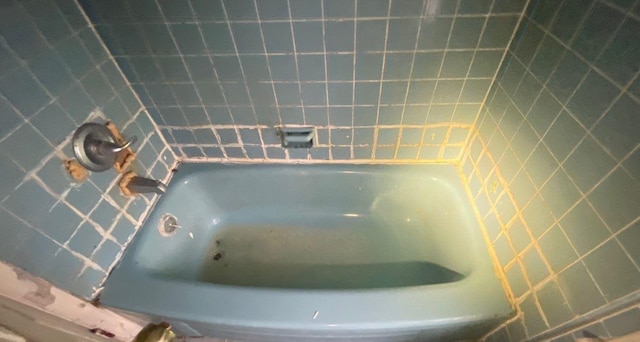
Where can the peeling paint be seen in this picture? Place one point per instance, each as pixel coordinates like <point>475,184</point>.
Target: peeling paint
<point>41,296</point>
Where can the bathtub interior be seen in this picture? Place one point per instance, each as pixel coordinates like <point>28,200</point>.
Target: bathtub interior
<point>315,253</point>
<point>312,227</point>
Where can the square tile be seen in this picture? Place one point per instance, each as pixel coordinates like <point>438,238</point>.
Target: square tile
<point>402,33</point>
<point>619,59</point>
<point>54,123</point>
<point>240,9</point>
<point>503,250</point>
<point>287,94</point>
<point>339,8</point>
<point>273,9</point>
<point>612,270</point>
<point>340,94</point>
<point>563,136</point>
<point>557,249</point>
<point>435,33</point>
<point>534,266</point>
<point>616,200</point>
<point>308,36</point>
<point>227,136</point>
<point>628,238</point>
<point>373,8</point>
<point>546,58</point>
<point>217,37</point>
<point>624,323</point>
<point>340,116</point>
<point>16,85</point>
<point>559,193</point>
<point>370,35</point>
<point>26,146</point>
<point>533,320</point>
<point>498,31</point>
<point>305,9</point>
<point>456,64</point>
<point>254,152</point>
<point>584,228</point>
<point>247,37</point>
<point>600,24</point>
<point>518,235</point>
<point>466,32</point>
<point>106,254</point>
<point>554,306</point>
<point>85,240</point>
<point>591,99</point>
<point>339,36</point>
<point>340,67</point>
<point>516,280</point>
<point>277,37</point>
<point>590,153</point>
<point>615,131</point>
<point>579,289</point>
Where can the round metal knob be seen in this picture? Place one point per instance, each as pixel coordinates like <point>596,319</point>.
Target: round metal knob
<point>95,147</point>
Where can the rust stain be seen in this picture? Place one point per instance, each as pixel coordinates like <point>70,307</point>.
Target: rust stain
<point>41,296</point>
<point>100,331</point>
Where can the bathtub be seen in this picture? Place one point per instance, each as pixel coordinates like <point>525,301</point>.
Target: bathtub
<point>312,252</point>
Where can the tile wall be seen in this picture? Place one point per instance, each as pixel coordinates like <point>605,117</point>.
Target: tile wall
<point>55,74</point>
<point>554,165</point>
<point>379,79</point>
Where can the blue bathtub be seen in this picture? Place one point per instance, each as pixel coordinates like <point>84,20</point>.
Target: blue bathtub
<point>313,252</point>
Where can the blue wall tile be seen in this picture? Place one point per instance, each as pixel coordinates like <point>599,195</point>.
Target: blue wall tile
<point>55,74</point>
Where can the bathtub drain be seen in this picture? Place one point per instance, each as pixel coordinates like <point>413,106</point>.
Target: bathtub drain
<point>168,225</point>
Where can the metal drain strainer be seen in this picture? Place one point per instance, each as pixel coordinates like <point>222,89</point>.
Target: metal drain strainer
<point>168,225</point>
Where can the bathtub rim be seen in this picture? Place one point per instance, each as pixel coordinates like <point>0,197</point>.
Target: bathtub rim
<point>479,297</point>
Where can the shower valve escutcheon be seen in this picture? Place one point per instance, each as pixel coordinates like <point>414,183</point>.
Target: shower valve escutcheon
<point>96,148</point>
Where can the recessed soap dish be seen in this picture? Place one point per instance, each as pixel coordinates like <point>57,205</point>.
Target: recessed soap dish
<point>296,137</point>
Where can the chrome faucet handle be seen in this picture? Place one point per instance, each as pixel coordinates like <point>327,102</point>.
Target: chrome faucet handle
<point>95,147</point>
<point>105,147</point>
